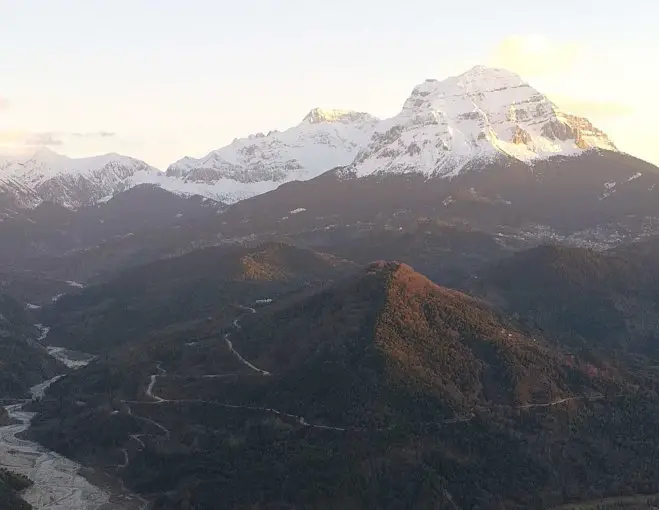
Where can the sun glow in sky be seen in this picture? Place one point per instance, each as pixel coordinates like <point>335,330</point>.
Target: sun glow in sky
<point>162,79</point>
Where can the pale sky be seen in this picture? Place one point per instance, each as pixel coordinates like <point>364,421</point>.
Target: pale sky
<point>162,79</point>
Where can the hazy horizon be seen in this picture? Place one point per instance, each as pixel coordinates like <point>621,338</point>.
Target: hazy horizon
<point>160,81</point>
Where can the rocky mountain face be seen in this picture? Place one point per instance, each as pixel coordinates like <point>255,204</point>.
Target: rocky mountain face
<point>47,176</point>
<point>259,163</point>
<point>481,116</point>
<point>597,199</point>
<point>15,197</point>
<point>249,166</point>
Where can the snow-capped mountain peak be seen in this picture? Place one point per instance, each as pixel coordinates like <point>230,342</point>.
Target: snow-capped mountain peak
<point>72,182</point>
<point>484,113</point>
<point>325,139</point>
<point>443,127</point>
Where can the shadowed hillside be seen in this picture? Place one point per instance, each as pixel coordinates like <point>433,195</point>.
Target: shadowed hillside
<point>23,363</point>
<point>444,254</point>
<point>10,485</point>
<point>381,390</point>
<point>584,298</point>
<point>202,285</point>
<point>393,343</point>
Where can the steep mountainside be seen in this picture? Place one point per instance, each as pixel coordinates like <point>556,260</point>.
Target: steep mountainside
<point>643,251</point>
<point>10,485</point>
<point>483,149</point>
<point>601,301</point>
<point>44,248</point>
<point>475,118</point>
<point>15,197</point>
<point>596,199</point>
<point>250,166</point>
<point>382,390</point>
<point>393,333</point>
<point>23,362</point>
<point>444,254</point>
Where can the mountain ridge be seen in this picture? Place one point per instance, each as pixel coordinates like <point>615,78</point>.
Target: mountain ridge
<point>259,163</point>
<point>382,390</point>
<point>444,128</point>
<point>47,176</point>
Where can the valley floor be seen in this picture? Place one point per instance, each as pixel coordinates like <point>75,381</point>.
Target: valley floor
<point>58,483</point>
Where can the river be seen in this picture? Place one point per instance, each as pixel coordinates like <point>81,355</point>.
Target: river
<point>58,484</point>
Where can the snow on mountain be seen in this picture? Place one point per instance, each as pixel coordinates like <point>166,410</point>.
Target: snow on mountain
<point>71,182</point>
<point>223,190</point>
<point>325,139</point>
<point>14,197</point>
<point>443,128</point>
<point>482,114</point>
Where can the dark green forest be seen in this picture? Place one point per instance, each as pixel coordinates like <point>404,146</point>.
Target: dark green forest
<point>381,390</point>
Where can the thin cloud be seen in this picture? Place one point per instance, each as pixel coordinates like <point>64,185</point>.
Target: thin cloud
<point>95,134</point>
<point>43,139</point>
<point>590,108</point>
<point>535,55</point>
<point>18,139</point>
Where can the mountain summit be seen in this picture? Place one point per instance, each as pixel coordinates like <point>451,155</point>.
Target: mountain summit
<point>482,114</point>
<point>44,175</point>
<point>325,139</point>
<point>479,117</point>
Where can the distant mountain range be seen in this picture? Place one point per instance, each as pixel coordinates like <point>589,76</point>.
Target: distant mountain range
<point>482,159</point>
<point>263,341</point>
<point>445,128</point>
